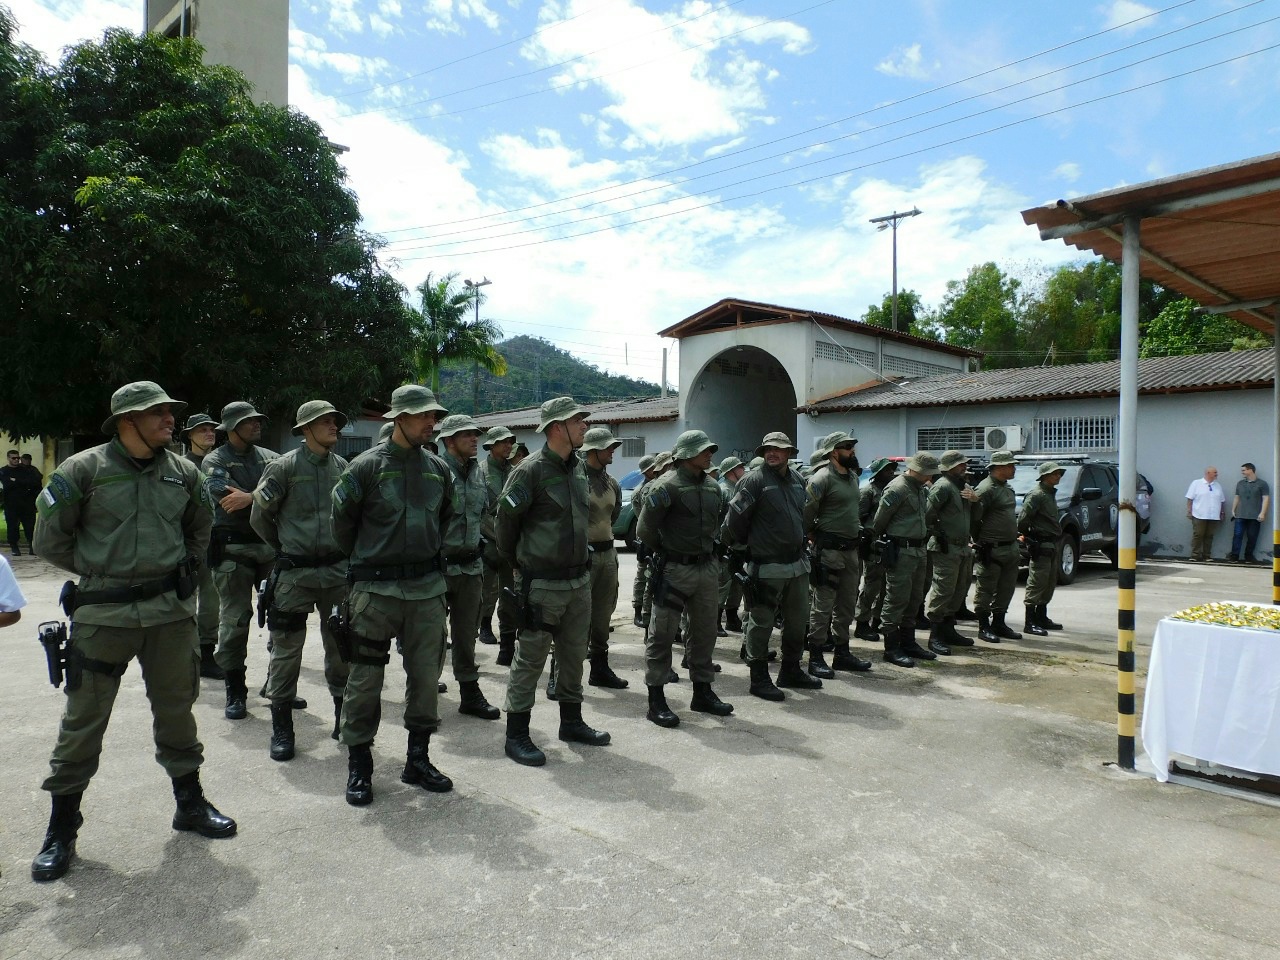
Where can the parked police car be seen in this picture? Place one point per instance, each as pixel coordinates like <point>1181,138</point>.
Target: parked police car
<point>1088,507</point>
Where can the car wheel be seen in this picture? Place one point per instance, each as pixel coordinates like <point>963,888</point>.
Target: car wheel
<point>1067,559</point>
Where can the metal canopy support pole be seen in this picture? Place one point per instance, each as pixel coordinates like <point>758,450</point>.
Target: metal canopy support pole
<point>1127,553</point>
<point>1275,467</point>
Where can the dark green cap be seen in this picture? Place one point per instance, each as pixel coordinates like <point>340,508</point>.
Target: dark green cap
<point>139,395</point>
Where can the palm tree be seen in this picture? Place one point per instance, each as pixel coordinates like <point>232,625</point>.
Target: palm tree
<point>442,331</point>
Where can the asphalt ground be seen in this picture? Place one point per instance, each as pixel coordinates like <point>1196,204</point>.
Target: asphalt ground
<point>965,808</point>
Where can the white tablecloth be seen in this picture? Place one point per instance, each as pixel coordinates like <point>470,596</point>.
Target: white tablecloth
<point>1213,693</point>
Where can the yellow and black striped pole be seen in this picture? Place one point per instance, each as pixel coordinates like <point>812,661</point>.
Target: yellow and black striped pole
<point>1275,566</point>
<point>1127,544</point>
<point>1125,627</point>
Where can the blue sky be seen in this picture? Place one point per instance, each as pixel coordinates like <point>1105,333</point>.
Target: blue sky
<point>615,165</point>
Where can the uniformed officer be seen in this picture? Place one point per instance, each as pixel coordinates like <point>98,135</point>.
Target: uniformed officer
<point>661,464</point>
<point>641,620</point>
<point>950,500</point>
<point>390,509</point>
<point>494,470</point>
<point>767,515</point>
<point>519,453</point>
<point>290,512</point>
<point>130,518</point>
<point>899,523</point>
<point>201,439</point>
<point>605,503</point>
<point>542,532</point>
<point>871,596</point>
<point>462,564</point>
<point>731,471</point>
<point>680,525</point>
<point>237,555</point>
<point>831,521</point>
<point>1040,528</point>
<point>995,535</point>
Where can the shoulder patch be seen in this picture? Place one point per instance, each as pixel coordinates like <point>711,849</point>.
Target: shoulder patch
<point>659,496</point>
<point>58,494</point>
<point>348,488</point>
<point>515,497</point>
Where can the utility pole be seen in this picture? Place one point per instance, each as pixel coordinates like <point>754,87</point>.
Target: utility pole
<point>474,286</point>
<point>884,223</point>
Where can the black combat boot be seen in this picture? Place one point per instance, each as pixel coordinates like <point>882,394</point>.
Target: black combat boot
<point>602,674</point>
<point>195,812</point>
<point>953,637</point>
<point>844,659</point>
<point>337,718</point>
<point>281,732</point>
<point>1043,618</point>
<point>984,628</point>
<point>762,685</point>
<point>473,703</point>
<point>1031,622</point>
<point>818,663</point>
<point>506,648</point>
<point>486,632</point>
<point>418,767</point>
<point>360,775</point>
<point>59,846</point>
<point>892,653</point>
<point>209,668</point>
<point>299,703</point>
<point>936,645</point>
<point>237,693</point>
<point>640,621</point>
<point>659,712</point>
<point>907,644</point>
<point>520,746</point>
<point>552,677</point>
<point>791,674</point>
<point>573,729</point>
<point>1002,629</point>
<point>732,621</point>
<point>864,631</point>
<point>705,701</point>
<point>720,630</point>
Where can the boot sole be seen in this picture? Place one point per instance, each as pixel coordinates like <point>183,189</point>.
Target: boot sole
<point>45,874</point>
<point>281,756</point>
<point>601,741</point>
<point>431,786</point>
<point>669,721</point>
<point>235,713</point>
<point>484,713</point>
<point>615,684</point>
<point>528,761</point>
<point>212,834</point>
<point>775,695</point>
<point>359,800</point>
<point>716,710</point>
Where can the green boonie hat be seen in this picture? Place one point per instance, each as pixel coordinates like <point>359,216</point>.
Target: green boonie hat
<point>561,408</point>
<point>833,440</point>
<point>313,410</point>
<point>520,445</point>
<point>386,431</point>
<point>881,464</point>
<point>1049,467</point>
<point>198,420</point>
<point>599,438</point>
<point>691,443</point>
<point>925,463</point>
<point>412,398</point>
<point>139,395</point>
<point>818,456</point>
<point>646,462</point>
<point>661,461</point>
<point>496,435</point>
<point>729,464</point>
<point>755,462</point>
<point>952,459</point>
<point>458,423</point>
<point>1001,458</point>
<point>237,412</point>
<point>778,440</point>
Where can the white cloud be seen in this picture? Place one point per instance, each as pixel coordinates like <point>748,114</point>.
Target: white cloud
<point>907,62</point>
<point>1120,12</point>
<point>312,51</point>
<point>1068,171</point>
<point>44,24</point>
<point>446,16</point>
<point>343,16</point>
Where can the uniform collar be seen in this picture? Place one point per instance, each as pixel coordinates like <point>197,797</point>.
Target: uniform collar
<point>462,468</point>
<point>315,459</point>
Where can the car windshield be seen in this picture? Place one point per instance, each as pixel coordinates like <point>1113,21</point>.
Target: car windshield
<point>1027,477</point>
<point>631,480</point>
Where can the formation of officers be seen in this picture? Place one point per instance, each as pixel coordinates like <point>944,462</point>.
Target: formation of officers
<point>422,549</point>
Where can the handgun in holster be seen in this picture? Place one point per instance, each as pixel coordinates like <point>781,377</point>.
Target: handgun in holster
<point>888,553</point>
<point>517,605</point>
<point>817,570</point>
<point>340,627</point>
<point>984,552</point>
<point>267,595</point>
<point>188,577</point>
<point>52,635</point>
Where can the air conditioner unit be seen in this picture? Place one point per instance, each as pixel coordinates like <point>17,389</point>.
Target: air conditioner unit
<point>1002,438</point>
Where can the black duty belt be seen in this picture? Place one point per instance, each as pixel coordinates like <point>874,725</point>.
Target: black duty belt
<point>998,543</point>
<point>131,594</point>
<point>909,541</point>
<point>828,542</point>
<point>392,571</point>
<point>600,546</point>
<point>229,535</point>
<point>792,558</point>
<point>689,559</point>
<point>463,558</point>
<point>556,573</point>
<point>298,561</point>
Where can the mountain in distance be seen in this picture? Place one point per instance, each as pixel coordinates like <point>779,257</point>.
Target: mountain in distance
<point>537,370</point>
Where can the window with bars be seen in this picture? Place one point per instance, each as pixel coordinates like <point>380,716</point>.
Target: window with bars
<point>949,438</point>
<point>826,350</point>
<point>915,368</point>
<point>1076,434</point>
<point>349,447</point>
<point>631,447</point>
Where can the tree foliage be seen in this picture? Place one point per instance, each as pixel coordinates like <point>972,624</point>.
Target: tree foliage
<point>1179,330</point>
<point>912,317</point>
<point>444,330</point>
<point>156,223</point>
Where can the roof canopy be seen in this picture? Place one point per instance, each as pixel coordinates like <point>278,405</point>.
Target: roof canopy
<point>1212,235</point>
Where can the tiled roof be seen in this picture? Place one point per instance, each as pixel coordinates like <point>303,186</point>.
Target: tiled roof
<point>1195,373</point>
<point>629,410</point>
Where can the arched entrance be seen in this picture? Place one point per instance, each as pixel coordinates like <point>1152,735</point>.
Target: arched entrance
<point>740,395</point>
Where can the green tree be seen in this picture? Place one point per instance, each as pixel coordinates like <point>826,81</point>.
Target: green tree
<point>444,330</point>
<point>912,316</point>
<point>982,312</point>
<point>1180,330</point>
<point>156,223</point>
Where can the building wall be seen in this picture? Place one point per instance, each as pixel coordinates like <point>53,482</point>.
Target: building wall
<point>250,35</point>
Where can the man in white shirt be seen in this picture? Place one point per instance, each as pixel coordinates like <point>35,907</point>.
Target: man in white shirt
<point>1206,508</point>
<point>11,599</point>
